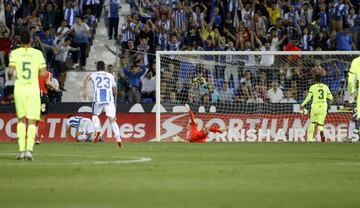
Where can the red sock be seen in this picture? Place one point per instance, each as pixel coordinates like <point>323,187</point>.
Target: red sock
<point>40,131</point>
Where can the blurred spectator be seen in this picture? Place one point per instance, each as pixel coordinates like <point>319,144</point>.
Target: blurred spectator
<point>62,51</point>
<point>254,99</point>
<point>54,96</point>
<point>62,30</point>
<point>81,39</point>
<point>148,86</point>
<point>320,41</point>
<point>2,13</point>
<point>287,98</point>
<point>181,92</point>
<point>71,10</point>
<point>343,40</point>
<point>9,85</point>
<point>111,8</point>
<point>133,78</point>
<point>275,94</point>
<point>226,94</point>
<point>243,93</point>
<point>231,67</point>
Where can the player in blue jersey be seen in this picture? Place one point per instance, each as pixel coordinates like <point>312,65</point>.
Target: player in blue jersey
<point>84,128</point>
<point>103,101</point>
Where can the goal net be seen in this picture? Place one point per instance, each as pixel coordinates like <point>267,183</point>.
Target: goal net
<point>255,95</point>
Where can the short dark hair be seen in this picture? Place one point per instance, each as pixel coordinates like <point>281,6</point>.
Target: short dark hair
<point>318,77</point>
<point>100,66</point>
<point>25,37</point>
<point>67,39</point>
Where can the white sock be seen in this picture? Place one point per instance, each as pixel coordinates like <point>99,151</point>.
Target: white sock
<point>351,129</point>
<point>82,137</point>
<point>116,131</point>
<point>96,122</point>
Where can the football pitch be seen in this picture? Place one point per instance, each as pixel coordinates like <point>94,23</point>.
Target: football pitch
<point>182,175</point>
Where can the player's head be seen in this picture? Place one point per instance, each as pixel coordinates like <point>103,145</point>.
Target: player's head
<point>25,37</point>
<point>318,78</point>
<point>100,66</point>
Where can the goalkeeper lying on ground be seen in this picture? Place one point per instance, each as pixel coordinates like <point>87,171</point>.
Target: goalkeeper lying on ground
<point>199,135</point>
<point>319,93</point>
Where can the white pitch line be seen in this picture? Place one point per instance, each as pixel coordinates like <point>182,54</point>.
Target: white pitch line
<point>105,162</point>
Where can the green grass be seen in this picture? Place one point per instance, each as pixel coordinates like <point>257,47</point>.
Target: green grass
<point>182,175</point>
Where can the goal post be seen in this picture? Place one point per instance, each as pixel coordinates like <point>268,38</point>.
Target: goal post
<point>256,95</point>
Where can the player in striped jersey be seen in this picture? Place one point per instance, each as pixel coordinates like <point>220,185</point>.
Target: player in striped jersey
<point>104,90</point>
<point>84,128</point>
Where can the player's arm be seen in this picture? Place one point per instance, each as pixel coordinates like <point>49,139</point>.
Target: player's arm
<point>329,95</point>
<point>41,64</point>
<point>85,86</point>
<point>307,99</point>
<point>351,76</point>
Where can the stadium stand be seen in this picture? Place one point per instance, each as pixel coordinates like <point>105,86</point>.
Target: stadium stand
<point>196,25</point>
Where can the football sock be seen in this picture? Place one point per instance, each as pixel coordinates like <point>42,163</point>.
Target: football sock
<point>310,135</point>
<point>351,129</point>
<point>40,130</point>
<point>31,132</point>
<point>96,122</point>
<point>320,128</point>
<point>21,132</point>
<point>116,131</point>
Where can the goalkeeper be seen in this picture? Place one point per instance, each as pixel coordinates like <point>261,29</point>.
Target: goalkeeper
<point>199,135</point>
<point>319,93</point>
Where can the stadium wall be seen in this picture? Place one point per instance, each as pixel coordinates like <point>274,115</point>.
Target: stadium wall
<point>140,127</point>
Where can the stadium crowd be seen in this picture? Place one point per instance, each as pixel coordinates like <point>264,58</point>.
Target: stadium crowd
<point>236,25</point>
<point>221,25</point>
<point>57,28</point>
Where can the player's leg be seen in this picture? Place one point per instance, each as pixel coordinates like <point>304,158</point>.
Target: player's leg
<point>110,111</point>
<point>40,129</point>
<point>33,115</point>
<point>320,122</point>
<point>20,103</point>
<point>21,132</point>
<point>313,120</point>
<point>351,128</point>
<point>191,114</point>
<point>45,106</point>
<point>96,109</point>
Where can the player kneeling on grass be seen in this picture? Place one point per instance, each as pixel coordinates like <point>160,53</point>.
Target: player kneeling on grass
<point>319,93</point>
<point>85,130</point>
<point>199,135</point>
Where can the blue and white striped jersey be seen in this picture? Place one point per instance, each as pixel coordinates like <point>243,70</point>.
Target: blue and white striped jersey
<point>74,122</point>
<point>103,86</point>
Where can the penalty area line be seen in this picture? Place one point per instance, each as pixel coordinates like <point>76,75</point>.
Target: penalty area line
<point>127,160</point>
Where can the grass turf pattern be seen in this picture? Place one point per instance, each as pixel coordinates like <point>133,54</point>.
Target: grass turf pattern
<point>182,175</point>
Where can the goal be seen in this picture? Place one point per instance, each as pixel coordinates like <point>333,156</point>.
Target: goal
<point>255,95</point>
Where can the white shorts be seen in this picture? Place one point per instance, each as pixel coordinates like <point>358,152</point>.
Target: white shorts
<point>86,126</point>
<point>108,108</point>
